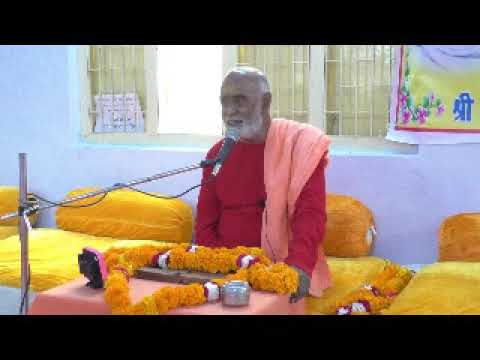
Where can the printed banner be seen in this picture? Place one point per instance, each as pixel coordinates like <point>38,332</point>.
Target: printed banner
<point>436,94</point>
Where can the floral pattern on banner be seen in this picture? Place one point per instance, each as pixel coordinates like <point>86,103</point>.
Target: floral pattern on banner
<point>421,112</point>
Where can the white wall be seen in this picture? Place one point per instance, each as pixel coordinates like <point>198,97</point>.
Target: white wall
<point>409,194</point>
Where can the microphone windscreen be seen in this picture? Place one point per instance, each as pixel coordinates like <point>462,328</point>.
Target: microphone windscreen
<point>232,133</point>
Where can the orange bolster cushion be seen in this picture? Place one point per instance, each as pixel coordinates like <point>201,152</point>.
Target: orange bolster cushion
<point>350,227</point>
<point>459,238</point>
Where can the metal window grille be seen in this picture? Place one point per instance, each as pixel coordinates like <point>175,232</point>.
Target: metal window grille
<point>288,69</point>
<point>116,74</point>
<point>358,80</point>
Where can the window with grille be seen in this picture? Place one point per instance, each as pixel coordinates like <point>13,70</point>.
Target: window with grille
<point>117,88</point>
<point>157,90</point>
<point>356,79</point>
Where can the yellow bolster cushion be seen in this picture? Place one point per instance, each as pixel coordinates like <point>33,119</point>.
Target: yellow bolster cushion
<point>446,288</point>
<point>9,203</point>
<point>126,214</point>
<point>350,227</point>
<point>459,238</point>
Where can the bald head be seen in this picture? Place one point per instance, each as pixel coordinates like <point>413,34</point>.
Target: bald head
<point>246,101</point>
<point>248,73</point>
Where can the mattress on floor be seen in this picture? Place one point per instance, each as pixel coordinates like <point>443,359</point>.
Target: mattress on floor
<point>53,260</point>
<point>348,274</point>
<point>53,256</point>
<point>443,288</point>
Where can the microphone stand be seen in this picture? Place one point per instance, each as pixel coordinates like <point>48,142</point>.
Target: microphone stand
<point>23,227</point>
<point>25,209</point>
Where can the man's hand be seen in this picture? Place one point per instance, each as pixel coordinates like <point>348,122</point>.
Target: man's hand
<point>303,285</point>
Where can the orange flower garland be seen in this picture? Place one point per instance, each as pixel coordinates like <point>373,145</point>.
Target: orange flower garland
<point>376,296</point>
<point>259,272</point>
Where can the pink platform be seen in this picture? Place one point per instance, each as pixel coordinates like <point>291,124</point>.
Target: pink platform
<point>74,298</point>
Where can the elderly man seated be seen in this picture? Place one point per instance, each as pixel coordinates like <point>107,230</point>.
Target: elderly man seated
<point>270,192</point>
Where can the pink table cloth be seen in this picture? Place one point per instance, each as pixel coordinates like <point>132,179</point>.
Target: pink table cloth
<point>74,298</point>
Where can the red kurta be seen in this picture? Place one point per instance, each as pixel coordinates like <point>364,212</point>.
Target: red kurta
<point>230,207</point>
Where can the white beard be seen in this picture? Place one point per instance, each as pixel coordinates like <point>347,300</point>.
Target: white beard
<point>251,130</point>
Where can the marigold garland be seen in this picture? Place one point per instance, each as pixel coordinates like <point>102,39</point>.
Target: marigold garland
<point>248,264</point>
<point>372,298</point>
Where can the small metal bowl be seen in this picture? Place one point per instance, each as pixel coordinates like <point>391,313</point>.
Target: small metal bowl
<point>235,293</point>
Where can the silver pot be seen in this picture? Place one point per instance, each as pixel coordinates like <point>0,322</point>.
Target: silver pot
<point>235,293</point>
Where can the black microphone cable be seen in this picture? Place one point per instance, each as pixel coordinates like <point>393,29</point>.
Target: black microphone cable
<point>125,186</point>
<point>210,178</point>
<point>70,206</point>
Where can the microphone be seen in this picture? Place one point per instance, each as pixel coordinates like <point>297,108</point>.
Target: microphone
<point>231,137</point>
